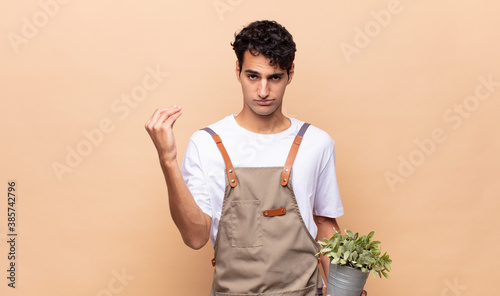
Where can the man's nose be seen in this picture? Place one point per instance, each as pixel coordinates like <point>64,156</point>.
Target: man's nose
<point>263,90</point>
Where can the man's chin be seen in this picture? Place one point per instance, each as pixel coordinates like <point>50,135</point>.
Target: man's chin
<point>264,110</point>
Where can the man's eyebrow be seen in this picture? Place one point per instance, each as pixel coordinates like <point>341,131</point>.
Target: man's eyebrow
<point>252,72</point>
<point>257,73</point>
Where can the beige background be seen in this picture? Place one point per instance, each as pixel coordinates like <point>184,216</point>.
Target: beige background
<point>107,213</point>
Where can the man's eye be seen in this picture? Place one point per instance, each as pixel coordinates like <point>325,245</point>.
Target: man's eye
<point>252,77</point>
<point>276,78</point>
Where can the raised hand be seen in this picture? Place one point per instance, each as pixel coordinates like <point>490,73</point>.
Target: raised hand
<point>160,128</point>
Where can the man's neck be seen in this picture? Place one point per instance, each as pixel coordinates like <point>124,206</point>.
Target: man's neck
<point>263,124</point>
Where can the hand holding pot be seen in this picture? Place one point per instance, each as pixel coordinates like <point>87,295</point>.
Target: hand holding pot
<point>364,293</point>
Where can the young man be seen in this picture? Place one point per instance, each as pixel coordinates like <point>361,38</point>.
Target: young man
<point>235,183</point>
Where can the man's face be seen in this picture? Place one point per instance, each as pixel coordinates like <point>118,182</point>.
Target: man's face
<point>263,85</point>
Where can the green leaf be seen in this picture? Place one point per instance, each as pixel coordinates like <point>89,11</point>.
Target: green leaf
<point>350,246</point>
<point>357,251</point>
<point>335,242</point>
<point>387,266</point>
<point>326,250</point>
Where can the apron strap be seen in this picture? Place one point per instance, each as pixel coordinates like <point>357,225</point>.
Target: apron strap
<point>291,155</point>
<point>229,165</point>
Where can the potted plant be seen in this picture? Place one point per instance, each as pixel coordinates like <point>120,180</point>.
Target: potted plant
<point>352,257</point>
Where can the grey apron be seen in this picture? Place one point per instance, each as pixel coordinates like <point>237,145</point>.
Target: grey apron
<point>263,246</point>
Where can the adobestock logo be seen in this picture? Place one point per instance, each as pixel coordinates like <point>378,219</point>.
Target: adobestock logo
<point>455,115</point>
<point>365,34</point>
<point>250,148</point>
<point>121,108</point>
<point>116,285</point>
<point>223,6</point>
<point>31,26</point>
<point>453,289</point>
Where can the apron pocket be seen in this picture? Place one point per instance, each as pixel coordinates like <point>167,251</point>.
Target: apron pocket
<point>308,291</point>
<point>246,228</point>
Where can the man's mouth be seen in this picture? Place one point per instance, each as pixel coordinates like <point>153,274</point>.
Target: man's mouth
<point>264,102</point>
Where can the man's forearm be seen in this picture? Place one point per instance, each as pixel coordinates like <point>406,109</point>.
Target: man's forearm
<point>326,229</point>
<point>193,224</point>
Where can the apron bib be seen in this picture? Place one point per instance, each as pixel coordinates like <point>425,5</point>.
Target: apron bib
<point>263,246</point>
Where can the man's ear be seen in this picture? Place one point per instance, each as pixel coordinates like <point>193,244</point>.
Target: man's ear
<point>238,71</point>
<point>290,74</point>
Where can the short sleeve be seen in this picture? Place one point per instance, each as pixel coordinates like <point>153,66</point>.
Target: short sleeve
<point>327,202</point>
<point>192,172</point>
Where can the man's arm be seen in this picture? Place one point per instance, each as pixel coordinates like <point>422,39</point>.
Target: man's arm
<point>326,229</point>
<point>193,224</point>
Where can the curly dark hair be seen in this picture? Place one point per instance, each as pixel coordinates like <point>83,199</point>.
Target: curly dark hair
<point>268,38</point>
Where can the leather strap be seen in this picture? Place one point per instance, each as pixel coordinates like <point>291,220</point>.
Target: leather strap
<point>291,155</point>
<point>229,165</point>
<point>274,212</point>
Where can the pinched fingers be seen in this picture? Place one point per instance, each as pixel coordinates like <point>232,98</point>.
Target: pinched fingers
<point>168,118</point>
<point>152,120</point>
<point>159,127</point>
<point>163,117</point>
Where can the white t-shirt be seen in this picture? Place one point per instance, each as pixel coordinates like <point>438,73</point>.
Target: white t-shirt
<point>313,171</point>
